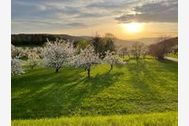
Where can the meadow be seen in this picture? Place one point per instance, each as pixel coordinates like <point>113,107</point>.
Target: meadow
<point>146,87</point>
<point>155,119</point>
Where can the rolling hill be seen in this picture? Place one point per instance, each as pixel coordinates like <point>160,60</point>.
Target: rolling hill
<point>40,39</point>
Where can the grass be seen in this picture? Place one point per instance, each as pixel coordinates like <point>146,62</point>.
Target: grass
<point>135,88</point>
<point>155,119</point>
<point>173,55</point>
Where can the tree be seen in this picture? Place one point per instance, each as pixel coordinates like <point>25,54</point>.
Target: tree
<point>112,59</point>
<point>16,52</point>
<point>86,58</point>
<point>123,51</point>
<point>138,50</point>
<point>33,59</point>
<point>38,51</point>
<point>164,46</point>
<point>58,53</point>
<point>16,68</point>
<point>82,44</point>
<point>103,44</point>
<point>97,44</point>
<point>174,49</point>
<point>109,42</point>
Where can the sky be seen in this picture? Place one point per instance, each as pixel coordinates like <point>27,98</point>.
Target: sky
<point>126,19</point>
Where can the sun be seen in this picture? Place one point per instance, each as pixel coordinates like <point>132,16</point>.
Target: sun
<point>132,27</point>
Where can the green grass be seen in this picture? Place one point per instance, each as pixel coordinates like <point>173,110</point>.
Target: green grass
<point>173,55</point>
<point>146,87</point>
<point>155,119</point>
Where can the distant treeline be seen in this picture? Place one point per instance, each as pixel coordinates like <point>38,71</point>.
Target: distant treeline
<point>39,39</point>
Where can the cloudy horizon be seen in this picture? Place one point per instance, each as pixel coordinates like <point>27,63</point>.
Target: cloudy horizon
<point>84,17</point>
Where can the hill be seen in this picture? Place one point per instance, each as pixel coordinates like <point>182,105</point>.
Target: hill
<point>40,39</point>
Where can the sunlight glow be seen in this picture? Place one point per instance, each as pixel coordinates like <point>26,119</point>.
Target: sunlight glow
<point>132,27</point>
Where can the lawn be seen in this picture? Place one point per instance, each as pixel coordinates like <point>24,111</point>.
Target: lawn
<point>145,87</point>
<point>155,119</point>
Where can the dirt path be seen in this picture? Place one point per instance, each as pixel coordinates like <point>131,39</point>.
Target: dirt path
<point>171,59</point>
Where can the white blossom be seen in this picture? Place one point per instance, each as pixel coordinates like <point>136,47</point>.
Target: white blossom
<point>112,58</point>
<point>16,52</point>
<point>33,59</point>
<point>138,50</point>
<point>58,53</point>
<point>16,68</point>
<point>86,58</point>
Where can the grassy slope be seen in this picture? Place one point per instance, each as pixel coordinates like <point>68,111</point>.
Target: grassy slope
<point>147,87</point>
<point>155,119</point>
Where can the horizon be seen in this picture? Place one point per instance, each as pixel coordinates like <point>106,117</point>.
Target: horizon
<point>157,37</point>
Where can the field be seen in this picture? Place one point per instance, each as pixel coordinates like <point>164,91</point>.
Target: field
<point>149,86</point>
<point>155,119</point>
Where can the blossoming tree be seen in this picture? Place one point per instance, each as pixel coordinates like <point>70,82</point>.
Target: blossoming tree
<point>86,58</point>
<point>138,50</point>
<point>58,53</point>
<point>16,68</point>
<point>33,59</point>
<point>112,58</point>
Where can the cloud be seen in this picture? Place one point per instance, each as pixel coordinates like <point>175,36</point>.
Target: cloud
<point>161,11</point>
<point>48,12</point>
<point>90,15</point>
<point>46,15</point>
<point>105,4</point>
<point>43,24</point>
<point>112,4</point>
<point>40,9</point>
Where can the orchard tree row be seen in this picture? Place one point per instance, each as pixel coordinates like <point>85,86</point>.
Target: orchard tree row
<point>61,53</point>
<point>58,54</point>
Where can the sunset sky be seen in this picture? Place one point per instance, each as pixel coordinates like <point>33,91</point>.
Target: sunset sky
<point>126,19</point>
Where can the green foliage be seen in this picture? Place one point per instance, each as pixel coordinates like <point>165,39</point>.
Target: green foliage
<point>103,44</point>
<point>143,87</point>
<point>154,119</point>
<point>30,39</point>
<point>82,44</point>
<point>41,39</point>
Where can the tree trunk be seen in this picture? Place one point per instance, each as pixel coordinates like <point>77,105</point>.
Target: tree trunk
<point>111,67</point>
<point>56,70</point>
<point>160,58</point>
<point>31,67</point>
<point>89,72</point>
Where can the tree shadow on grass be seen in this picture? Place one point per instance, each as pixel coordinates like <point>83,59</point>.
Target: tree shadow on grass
<point>146,78</point>
<point>50,95</point>
<point>143,78</point>
<point>170,66</point>
<point>138,75</point>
